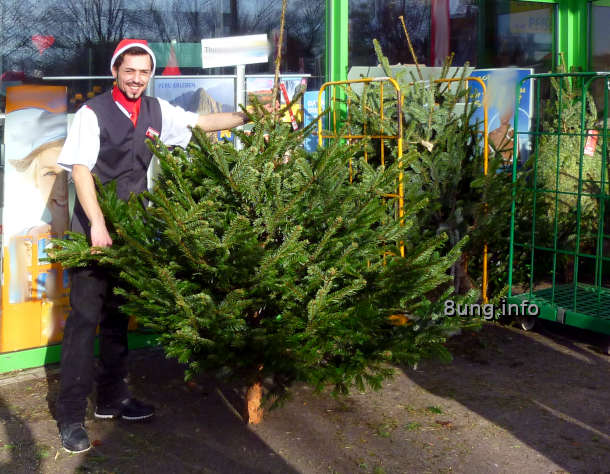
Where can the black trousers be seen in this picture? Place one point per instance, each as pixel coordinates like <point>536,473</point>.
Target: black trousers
<point>93,303</point>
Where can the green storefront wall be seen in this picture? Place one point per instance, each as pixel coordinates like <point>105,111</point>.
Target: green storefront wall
<point>572,39</point>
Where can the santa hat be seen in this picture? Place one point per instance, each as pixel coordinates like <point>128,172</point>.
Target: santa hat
<point>126,44</point>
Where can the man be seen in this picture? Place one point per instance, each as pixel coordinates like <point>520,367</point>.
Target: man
<point>107,139</point>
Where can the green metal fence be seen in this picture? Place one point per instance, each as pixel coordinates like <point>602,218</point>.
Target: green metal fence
<point>560,221</point>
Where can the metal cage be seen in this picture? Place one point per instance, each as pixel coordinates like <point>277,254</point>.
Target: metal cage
<point>560,222</point>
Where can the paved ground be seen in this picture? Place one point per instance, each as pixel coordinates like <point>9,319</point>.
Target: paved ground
<point>511,402</point>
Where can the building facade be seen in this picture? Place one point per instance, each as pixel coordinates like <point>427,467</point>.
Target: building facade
<point>68,43</point>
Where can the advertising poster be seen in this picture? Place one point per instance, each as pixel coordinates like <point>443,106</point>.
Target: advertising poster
<point>501,84</point>
<point>310,113</point>
<point>262,88</point>
<point>200,95</point>
<point>36,208</point>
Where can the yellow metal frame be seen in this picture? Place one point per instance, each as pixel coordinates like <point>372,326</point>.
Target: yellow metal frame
<point>398,137</point>
<point>399,140</point>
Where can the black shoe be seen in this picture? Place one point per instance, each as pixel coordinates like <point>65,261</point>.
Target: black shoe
<point>129,409</point>
<point>74,438</point>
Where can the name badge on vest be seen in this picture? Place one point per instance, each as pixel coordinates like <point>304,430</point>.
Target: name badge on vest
<point>152,133</point>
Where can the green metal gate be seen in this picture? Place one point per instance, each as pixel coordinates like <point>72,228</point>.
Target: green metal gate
<point>560,223</point>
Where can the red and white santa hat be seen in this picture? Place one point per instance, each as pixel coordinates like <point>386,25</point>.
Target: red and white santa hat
<point>126,44</point>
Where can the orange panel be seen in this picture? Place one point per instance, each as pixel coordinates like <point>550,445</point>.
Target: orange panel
<point>51,98</point>
<point>52,320</point>
<point>20,326</point>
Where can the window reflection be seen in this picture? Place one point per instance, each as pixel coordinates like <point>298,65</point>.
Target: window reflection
<point>77,37</point>
<point>600,51</point>
<point>519,34</point>
<point>494,33</point>
<point>380,19</point>
<point>428,23</point>
<point>600,46</point>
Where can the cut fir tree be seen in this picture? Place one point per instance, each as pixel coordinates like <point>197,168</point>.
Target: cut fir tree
<point>266,266</point>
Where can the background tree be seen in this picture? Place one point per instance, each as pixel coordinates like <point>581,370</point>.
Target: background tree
<point>380,20</point>
<point>444,163</point>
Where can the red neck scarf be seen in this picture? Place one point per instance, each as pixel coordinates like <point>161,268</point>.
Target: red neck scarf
<point>131,106</point>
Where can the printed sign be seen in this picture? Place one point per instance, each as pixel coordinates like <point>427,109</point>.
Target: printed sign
<point>234,50</point>
<point>525,19</point>
<point>200,95</point>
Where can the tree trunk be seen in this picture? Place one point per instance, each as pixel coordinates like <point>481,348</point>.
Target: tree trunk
<point>254,397</point>
<point>461,279</point>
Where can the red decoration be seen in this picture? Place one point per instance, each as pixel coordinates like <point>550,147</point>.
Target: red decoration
<point>591,142</point>
<point>439,34</point>
<point>42,43</point>
<point>171,69</point>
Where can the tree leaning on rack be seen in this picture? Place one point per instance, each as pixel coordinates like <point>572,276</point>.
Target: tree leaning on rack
<point>265,265</point>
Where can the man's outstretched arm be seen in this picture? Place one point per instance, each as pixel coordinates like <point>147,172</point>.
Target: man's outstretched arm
<point>221,121</point>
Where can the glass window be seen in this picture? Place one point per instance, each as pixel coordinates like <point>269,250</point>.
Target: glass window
<point>464,30</point>
<point>494,33</point>
<point>379,19</point>
<point>42,38</point>
<point>518,34</point>
<point>600,44</point>
<point>435,28</point>
<point>600,51</point>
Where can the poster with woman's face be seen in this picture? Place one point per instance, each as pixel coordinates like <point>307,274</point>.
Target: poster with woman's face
<point>35,209</point>
<point>35,130</point>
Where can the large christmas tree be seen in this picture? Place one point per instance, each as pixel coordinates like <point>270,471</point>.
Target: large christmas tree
<point>266,264</point>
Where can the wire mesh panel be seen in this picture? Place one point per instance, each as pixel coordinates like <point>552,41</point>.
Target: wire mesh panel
<point>560,222</point>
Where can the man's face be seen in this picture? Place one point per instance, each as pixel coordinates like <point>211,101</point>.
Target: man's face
<point>133,75</point>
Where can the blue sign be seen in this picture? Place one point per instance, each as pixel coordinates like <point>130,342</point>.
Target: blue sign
<point>310,113</point>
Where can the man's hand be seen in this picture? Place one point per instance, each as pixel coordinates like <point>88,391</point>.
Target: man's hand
<point>99,235</point>
<point>272,107</point>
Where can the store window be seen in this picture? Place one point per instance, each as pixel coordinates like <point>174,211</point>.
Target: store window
<point>600,50</point>
<point>435,28</point>
<point>379,19</point>
<point>44,38</point>
<point>518,34</point>
<point>600,44</point>
<point>495,33</point>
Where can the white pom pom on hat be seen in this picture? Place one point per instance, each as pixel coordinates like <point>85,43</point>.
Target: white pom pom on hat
<point>126,44</point>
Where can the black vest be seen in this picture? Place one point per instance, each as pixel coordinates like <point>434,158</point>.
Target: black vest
<point>124,156</point>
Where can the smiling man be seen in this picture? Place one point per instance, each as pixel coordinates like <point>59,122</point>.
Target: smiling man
<point>107,139</point>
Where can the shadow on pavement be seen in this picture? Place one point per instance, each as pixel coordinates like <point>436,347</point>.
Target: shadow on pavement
<point>193,430</point>
<point>547,390</point>
<point>18,449</point>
